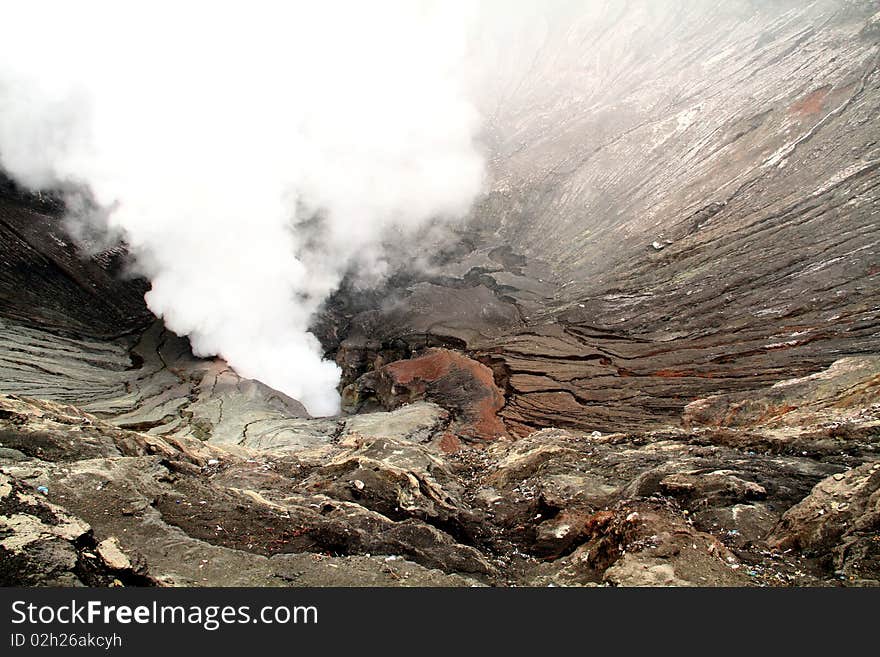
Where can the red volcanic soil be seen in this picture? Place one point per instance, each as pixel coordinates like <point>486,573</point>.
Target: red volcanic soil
<point>452,380</point>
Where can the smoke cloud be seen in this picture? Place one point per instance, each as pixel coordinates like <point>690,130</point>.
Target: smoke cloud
<point>248,153</point>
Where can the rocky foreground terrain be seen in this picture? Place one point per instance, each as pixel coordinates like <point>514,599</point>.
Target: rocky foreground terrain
<point>650,357</point>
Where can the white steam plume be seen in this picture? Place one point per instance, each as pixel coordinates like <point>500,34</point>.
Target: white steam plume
<point>248,152</point>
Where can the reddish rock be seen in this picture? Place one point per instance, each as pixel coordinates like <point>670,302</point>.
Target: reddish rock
<point>812,103</point>
<point>448,443</point>
<point>448,378</point>
<point>561,533</point>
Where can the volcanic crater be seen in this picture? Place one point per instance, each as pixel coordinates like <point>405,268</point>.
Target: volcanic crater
<point>649,356</point>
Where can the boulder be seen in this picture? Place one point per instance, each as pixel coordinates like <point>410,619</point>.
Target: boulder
<point>839,519</point>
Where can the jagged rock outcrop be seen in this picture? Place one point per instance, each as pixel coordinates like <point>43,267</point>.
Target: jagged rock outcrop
<point>465,387</point>
<point>839,519</point>
<point>849,388</point>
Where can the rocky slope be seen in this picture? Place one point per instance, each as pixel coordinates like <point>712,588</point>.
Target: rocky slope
<point>388,498</point>
<point>685,203</point>
<point>649,357</point>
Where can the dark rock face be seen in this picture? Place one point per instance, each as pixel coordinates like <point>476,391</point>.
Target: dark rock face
<point>48,282</point>
<point>650,358</point>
